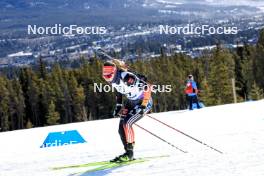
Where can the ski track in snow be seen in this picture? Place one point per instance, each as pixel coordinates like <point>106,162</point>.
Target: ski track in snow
<point>235,129</point>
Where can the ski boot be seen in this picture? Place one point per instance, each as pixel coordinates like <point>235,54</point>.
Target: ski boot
<point>127,156</point>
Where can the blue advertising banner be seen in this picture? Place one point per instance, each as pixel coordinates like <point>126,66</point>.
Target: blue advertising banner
<point>55,139</point>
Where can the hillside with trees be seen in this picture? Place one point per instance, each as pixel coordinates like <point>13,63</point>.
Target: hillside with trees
<point>41,97</point>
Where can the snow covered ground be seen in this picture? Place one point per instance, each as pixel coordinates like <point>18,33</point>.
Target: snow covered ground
<point>236,129</point>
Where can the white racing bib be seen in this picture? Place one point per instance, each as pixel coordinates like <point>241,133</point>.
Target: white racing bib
<point>132,92</point>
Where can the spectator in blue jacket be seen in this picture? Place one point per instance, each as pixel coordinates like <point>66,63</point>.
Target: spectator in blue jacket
<point>191,92</point>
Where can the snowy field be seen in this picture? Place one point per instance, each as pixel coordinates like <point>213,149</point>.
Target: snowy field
<point>237,130</point>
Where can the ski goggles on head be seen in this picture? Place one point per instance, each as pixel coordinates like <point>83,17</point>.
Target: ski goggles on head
<point>109,73</point>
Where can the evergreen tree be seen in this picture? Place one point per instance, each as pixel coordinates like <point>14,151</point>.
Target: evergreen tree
<point>42,69</point>
<point>206,95</point>
<point>221,72</point>
<point>19,104</point>
<point>4,102</point>
<point>45,95</point>
<point>52,116</point>
<point>243,71</point>
<point>78,99</point>
<point>16,105</point>
<point>259,60</point>
<point>62,94</point>
<point>33,99</point>
<point>256,93</point>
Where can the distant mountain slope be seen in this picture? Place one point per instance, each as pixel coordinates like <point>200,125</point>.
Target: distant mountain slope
<point>78,4</point>
<point>208,2</point>
<point>115,4</point>
<point>20,13</point>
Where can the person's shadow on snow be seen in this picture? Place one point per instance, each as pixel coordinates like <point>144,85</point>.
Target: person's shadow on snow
<point>97,173</point>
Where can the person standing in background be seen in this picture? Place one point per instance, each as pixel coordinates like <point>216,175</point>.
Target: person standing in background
<point>191,92</point>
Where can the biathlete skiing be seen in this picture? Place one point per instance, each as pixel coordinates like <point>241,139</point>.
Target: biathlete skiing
<point>138,102</point>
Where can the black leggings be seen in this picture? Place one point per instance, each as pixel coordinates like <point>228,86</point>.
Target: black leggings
<point>126,130</point>
<point>130,115</point>
<point>193,99</point>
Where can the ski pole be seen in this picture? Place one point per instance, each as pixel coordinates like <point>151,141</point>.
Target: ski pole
<point>161,139</point>
<point>185,134</point>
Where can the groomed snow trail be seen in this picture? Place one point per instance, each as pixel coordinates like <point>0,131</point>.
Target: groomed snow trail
<point>235,129</point>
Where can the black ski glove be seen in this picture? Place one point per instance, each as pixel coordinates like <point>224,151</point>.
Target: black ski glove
<point>117,110</point>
